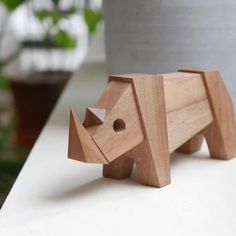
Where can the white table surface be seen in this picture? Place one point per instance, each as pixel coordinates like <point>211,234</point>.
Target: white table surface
<point>57,196</point>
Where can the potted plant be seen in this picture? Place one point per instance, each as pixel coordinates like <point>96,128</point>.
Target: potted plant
<point>36,92</point>
<point>30,93</point>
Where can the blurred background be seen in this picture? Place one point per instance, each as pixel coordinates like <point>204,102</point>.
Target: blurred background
<point>42,42</point>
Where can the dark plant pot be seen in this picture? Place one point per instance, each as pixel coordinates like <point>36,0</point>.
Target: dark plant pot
<point>34,99</point>
<point>39,44</point>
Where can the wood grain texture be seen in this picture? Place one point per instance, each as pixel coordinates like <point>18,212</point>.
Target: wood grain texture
<point>186,122</point>
<point>180,89</point>
<point>120,168</point>
<point>152,156</point>
<point>110,95</point>
<point>114,143</point>
<point>221,134</point>
<point>143,118</point>
<point>81,146</point>
<point>183,89</point>
<point>94,116</point>
<point>192,145</point>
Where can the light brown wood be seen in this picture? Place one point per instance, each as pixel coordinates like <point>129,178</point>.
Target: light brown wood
<point>178,88</point>
<point>221,134</point>
<point>110,95</point>
<point>152,160</point>
<point>113,140</point>
<point>186,122</point>
<point>192,145</point>
<point>143,118</point>
<point>81,146</point>
<point>183,89</point>
<point>152,156</point>
<point>94,116</point>
<point>120,168</point>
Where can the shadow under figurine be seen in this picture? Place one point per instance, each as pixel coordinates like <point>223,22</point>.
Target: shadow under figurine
<point>142,118</point>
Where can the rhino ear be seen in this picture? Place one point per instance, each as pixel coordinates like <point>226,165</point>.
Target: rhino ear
<point>94,116</point>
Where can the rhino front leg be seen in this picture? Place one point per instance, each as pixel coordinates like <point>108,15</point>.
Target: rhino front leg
<point>152,170</point>
<point>120,168</point>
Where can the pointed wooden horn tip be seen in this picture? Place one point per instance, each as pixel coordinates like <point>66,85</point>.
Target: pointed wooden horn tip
<point>81,145</point>
<point>72,114</point>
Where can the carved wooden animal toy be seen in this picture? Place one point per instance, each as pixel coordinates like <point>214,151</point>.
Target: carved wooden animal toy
<point>142,118</point>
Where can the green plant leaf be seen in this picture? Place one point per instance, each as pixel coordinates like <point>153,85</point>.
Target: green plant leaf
<point>72,10</point>
<point>55,16</point>
<point>4,86</point>
<point>41,15</point>
<point>65,40</point>
<point>12,4</point>
<point>92,18</point>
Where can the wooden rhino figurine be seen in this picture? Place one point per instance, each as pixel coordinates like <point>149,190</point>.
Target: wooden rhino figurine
<point>143,118</point>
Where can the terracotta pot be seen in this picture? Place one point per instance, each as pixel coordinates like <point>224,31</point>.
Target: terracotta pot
<point>34,99</point>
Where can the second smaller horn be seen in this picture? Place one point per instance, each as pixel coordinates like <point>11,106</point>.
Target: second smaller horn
<point>94,116</point>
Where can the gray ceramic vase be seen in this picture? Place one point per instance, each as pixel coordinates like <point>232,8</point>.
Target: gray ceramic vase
<point>157,36</point>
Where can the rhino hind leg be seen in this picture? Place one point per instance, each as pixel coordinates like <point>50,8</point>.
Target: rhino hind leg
<point>192,145</point>
<point>221,133</point>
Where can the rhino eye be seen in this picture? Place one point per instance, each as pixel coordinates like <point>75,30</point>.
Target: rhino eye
<point>119,125</point>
